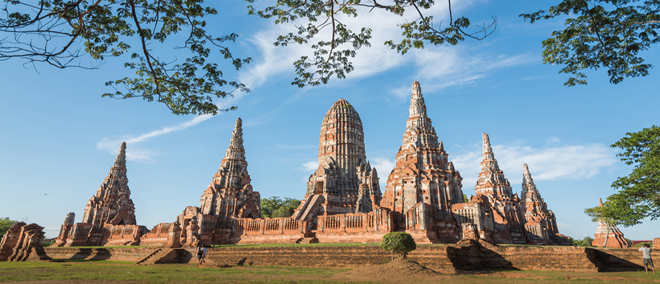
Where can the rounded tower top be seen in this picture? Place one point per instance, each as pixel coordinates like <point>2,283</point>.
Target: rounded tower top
<point>342,137</point>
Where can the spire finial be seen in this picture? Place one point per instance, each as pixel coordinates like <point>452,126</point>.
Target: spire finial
<point>239,123</point>
<point>600,202</point>
<point>121,157</point>
<point>486,143</point>
<point>416,89</point>
<point>417,105</point>
<point>235,149</point>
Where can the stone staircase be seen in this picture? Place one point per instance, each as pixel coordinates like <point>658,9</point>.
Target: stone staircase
<point>153,257</point>
<point>307,207</point>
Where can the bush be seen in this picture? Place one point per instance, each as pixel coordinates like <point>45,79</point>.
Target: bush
<point>398,243</point>
<point>48,242</point>
<point>586,242</point>
<point>641,244</point>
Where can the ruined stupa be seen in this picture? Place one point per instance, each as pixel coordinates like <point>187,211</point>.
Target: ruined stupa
<point>112,203</point>
<point>540,223</point>
<point>508,222</point>
<point>423,185</point>
<point>109,217</point>
<point>344,181</point>
<point>608,235</point>
<point>230,193</point>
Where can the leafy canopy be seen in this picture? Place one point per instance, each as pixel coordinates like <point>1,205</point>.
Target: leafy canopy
<point>329,19</point>
<point>63,32</point>
<point>4,225</point>
<point>399,243</point>
<point>639,192</point>
<point>276,207</point>
<point>601,34</point>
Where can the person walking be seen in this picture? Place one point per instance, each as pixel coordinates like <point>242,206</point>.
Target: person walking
<point>201,254</point>
<point>646,257</point>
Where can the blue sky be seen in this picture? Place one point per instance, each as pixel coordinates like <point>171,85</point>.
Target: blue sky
<point>59,138</point>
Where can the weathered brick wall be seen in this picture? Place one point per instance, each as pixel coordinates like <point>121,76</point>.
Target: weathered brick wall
<point>617,259</point>
<point>114,254</point>
<point>560,258</point>
<point>436,257</point>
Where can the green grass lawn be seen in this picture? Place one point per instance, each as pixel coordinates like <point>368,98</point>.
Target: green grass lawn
<point>89,271</point>
<point>123,272</point>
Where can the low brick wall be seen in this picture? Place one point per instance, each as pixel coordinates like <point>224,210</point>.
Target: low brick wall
<point>113,254</point>
<point>436,257</point>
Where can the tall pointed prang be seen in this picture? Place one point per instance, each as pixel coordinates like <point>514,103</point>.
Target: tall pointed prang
<point>423,173</point>
<point>491,179</point>
<point>540,223</point>
<point>112,203</point>
<point>230,193</point>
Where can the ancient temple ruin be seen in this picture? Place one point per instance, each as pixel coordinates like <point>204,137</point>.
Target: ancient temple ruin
<point>342,201</point>
<point>23,242</point>
<point>112,203</point>
<point>424,184</point>
<point>608,235</point>
<point>109,216</point>
<point>344,181</point>
<point>504,203</point>
<point>230,193</point>
<point>540,223</point>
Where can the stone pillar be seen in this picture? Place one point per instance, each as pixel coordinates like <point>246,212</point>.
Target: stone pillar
<point>656,243</point>
<point>192,232</point>
<point>173,236</point>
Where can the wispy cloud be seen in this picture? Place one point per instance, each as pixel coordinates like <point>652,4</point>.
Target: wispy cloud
<point>383,165</point>
<point>135,152</point>
<point>445,66</point>
<point>310,166</point>
<point>572,162</point>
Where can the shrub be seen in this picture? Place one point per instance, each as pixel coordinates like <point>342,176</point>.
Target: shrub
<point>586,242</point>
<point>398,243</point>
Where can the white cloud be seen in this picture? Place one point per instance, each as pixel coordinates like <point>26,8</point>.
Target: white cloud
<point>310,166</point>
<point>439,66</point>
<point>383,165</point>
<point>572,162</point>
<point>133,151</point>
<point>136,153</point>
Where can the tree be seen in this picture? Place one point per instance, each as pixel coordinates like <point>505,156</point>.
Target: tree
<point>63,32</point>
<point>639,192</point>
<point>399,243</point>
<point>586,242</point>
<point>276,207</point>
<point>4,225</point>
<point>601,34</point>
<point>331,58</point>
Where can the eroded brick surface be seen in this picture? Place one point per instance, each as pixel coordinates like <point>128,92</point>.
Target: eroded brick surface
<point>23,242</point>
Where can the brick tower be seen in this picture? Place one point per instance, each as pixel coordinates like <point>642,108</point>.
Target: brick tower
<point>344,181</point>
<point>112,203</point>
<point>230,193</point>
<point>423,183</point>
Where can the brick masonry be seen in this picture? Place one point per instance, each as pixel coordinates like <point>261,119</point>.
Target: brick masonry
<point>437,257</point>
